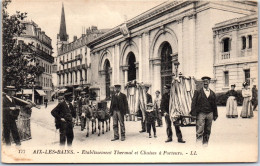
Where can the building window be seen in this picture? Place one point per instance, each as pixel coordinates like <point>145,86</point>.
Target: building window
<point>226,45</point>
<point>71,56</point>
<point>247,76</point>
<point>226,76</point>
<point>67,78</point>
<point>63,78</point>
<point>76,77</point>
<point>71,75</point>
<point>243,42</point>
<point>250,41</point>
<point>59,79</point>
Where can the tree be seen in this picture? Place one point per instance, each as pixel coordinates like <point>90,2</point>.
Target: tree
<point>20,67</point>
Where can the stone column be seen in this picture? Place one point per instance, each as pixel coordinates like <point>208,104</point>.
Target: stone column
<point>156,84</point>
<point>125,70</point>
<point>180,55</point>
<point>192,62</point>
<point>117,68</point>
<point>145,60</point>
<point>113,66</point>
<point>139,72</point>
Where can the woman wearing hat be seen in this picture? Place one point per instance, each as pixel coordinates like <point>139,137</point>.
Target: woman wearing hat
<point>232,103</point>
<point>247,111</point>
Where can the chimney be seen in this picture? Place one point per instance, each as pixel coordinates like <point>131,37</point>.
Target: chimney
<point>74,38</point>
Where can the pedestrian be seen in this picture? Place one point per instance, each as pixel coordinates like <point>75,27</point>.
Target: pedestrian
<point>254,97</point>
<point>204,107</point>
<point>151,118</point>
<point>83,101</point>
<point>157,106</point>
<point>165,110</point>
<point>10,115</point>
<point>231,106</point>
<point>119,108</point>
<point>148,100</point>
<point>24,122</point>
<point>247,110</point>
<point>46,102</point>
<point>64,115</point>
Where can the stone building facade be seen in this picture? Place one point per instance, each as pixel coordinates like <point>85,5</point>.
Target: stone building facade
<point>43,47</point>
<point>73,59</point>
<point>236,52</point>
<point>148,47</point>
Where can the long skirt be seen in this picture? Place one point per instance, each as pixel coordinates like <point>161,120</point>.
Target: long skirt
<point>247,110</point>
<point>231,107</point>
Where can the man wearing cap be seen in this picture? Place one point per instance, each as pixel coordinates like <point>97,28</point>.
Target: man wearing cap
<point>118,108</point>
<point>204,107</point>
<point>10,115</point>
<point>165,110</point>
<point>148,100</point>
<point>64,115</point>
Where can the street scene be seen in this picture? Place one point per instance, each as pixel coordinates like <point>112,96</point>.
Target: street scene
<point>135,82</point>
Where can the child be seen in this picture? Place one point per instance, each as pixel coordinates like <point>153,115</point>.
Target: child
<point>151,117</point>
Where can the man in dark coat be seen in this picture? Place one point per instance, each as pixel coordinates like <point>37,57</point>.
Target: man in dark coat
<point>148,100</point>
<point>10,115</point>
<point>64,115</point>
<point>165,110</point>
<point>118,108</point>
<point>204,107</point>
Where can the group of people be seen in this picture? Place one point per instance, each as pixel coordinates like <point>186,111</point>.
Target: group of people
<point>203,107</point>
<point>250,101</point>
<point>16,119</point>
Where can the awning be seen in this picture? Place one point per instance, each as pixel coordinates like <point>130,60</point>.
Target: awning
<point>78,88</point>
<point>62,90</point>
<point>41,92</point>
<point>25,92</point>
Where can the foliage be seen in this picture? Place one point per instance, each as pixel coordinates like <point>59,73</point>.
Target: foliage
<point>19,59</point>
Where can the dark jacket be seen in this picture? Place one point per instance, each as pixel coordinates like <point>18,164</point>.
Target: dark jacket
<point>63,111</point>
<point>7,112</point>
<point>200,103</point>
<point>119,102</point>
<point>165,103</point>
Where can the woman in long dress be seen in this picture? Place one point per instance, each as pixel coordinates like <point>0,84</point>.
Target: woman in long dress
<point>24,122</point>
<point>247,110</point>
<point>232,103</point>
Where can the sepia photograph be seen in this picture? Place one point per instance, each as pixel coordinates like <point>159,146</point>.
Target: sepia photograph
<point>121,81</point>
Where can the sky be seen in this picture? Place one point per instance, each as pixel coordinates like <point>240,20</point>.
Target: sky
<point>79,14</point>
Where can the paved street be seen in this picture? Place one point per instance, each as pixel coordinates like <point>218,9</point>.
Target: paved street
<point>234,137</point>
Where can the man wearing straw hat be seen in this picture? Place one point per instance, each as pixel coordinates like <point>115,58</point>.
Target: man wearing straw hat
<point>10,115</point>
<point>204,107</point>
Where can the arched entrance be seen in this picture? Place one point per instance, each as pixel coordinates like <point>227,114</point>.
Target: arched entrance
<point>107,78</point>
<point>132,67</point>
<point>166,65</point>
